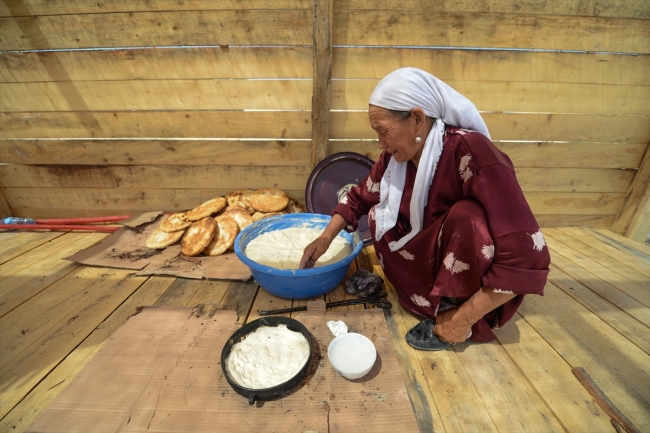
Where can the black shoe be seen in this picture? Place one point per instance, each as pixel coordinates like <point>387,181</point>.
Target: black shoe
<point>421,337</point>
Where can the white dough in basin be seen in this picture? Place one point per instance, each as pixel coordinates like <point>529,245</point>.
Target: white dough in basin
<point>267,357</point>
<point>283,249</point>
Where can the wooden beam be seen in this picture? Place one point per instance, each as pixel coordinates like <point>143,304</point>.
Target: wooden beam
<point>5,210</point>
<point>320,103</point>
<point>630,221</point>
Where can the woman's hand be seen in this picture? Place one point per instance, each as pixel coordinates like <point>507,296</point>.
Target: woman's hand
<point>317,248</point>
<point>452,327</point>
<point>313,252</point>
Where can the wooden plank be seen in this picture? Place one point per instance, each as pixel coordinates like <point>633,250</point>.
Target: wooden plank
<point>246,153</point>
<point>180,292</point>
<point>321,88</point>
<point>460,406</point>
<point>584,340</point>
<point>506,392</point>
<point>618,319</point>
<point>522,126</point>
<point>266,301</point>
<point>44,7</point>
<point>523,154</point>
<point>239,297</point>
<point>603,288</point>
<point>622,241</point>
<point>156,64</point>
<point>551,377</point>
<point>152,177</point>
<point>148,29</point>
<point>633,204</point>
<point>23,285</point>
<point>573,203</point>
<point>106,289</point>
<point>639,228</point>
<point>102,201</point>
<point>37,399</point>
<point>399,321</point>
<point>619,275</point>
<point>629,260</point>
<point>160,124</point>
<point>461,29</point>
<point>618,8</point>
<point>5,210</point>
<point>348,63</point>
<point>11,248</point>
<point>602,8</point>
<point>594,221</point>
<point>210,292</point>
<point>210,94</point>
<point>26,324</point>
<point>496,65</point>
<point>32,257</point>
<point>573,179</point>
<point>516,96</point>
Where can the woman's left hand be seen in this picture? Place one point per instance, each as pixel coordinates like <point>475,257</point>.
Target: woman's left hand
<point>452,327</point>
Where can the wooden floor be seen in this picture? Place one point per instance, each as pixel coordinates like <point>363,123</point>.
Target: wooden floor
<point>55,315</point>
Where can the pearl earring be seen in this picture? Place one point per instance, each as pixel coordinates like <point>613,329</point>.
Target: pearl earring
<point>418,139</point>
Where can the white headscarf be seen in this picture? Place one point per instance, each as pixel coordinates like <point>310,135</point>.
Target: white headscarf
<point>404,90</point>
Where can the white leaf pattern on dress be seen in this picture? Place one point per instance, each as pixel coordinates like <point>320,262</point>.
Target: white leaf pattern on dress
<point>538,240</point>
<point>420,301</point>
<point>407,255</point>
<point>509,292</point>
<point>371,214</point>
<point>449,261</point>
<point>463,169</point>
<point>459,267</point>
<point>488,251</point>
<point>350,228</point>
<point>381,260</point>
<point>453,265</point>
<point>372,186</point>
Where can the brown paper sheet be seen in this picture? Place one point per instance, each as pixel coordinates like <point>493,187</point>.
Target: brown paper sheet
<point>161,372</point>
<point>127,249</point>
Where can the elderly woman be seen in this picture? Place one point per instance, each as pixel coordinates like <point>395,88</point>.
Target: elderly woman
<point>450,224</point>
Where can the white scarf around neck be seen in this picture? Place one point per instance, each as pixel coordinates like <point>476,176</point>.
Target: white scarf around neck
<point>404,90</point>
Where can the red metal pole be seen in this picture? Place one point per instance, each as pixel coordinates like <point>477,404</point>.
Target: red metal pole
<point>107,229</point>
<point>74,221</point>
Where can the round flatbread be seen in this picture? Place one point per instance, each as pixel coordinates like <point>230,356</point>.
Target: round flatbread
<point>206,209</point>
<point>198,236</point>
<point>224,237</point>
<point>160,239</point>
<point>293,207</point>
<point>241,217</point>
<point>175,222</point>
<point>241,198</point>
<point>260,215</point>
<point>269,200</point>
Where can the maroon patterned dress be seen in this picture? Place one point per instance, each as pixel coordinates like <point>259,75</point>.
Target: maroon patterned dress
<point>478,230</point>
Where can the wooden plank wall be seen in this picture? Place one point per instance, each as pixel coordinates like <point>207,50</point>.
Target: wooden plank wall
<point>562,85</point>
<point>108,107</point>
<point>127,106</point>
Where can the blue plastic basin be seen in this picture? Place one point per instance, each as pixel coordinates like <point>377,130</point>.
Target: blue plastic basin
<point>296,283</point>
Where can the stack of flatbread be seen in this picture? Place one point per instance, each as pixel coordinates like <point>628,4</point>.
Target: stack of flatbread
<point>211,227</point>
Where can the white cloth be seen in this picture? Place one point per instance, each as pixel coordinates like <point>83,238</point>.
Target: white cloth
<point>404,90</point>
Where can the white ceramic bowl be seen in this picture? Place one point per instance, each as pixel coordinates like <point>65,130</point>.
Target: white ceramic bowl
<point>352,355</point>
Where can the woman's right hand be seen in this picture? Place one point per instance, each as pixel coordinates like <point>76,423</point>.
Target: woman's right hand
<point>317,248</point>
<point>313,252</point>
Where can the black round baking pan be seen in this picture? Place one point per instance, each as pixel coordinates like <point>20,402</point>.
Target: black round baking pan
<point>329,177</point>
<point>275,391</point>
